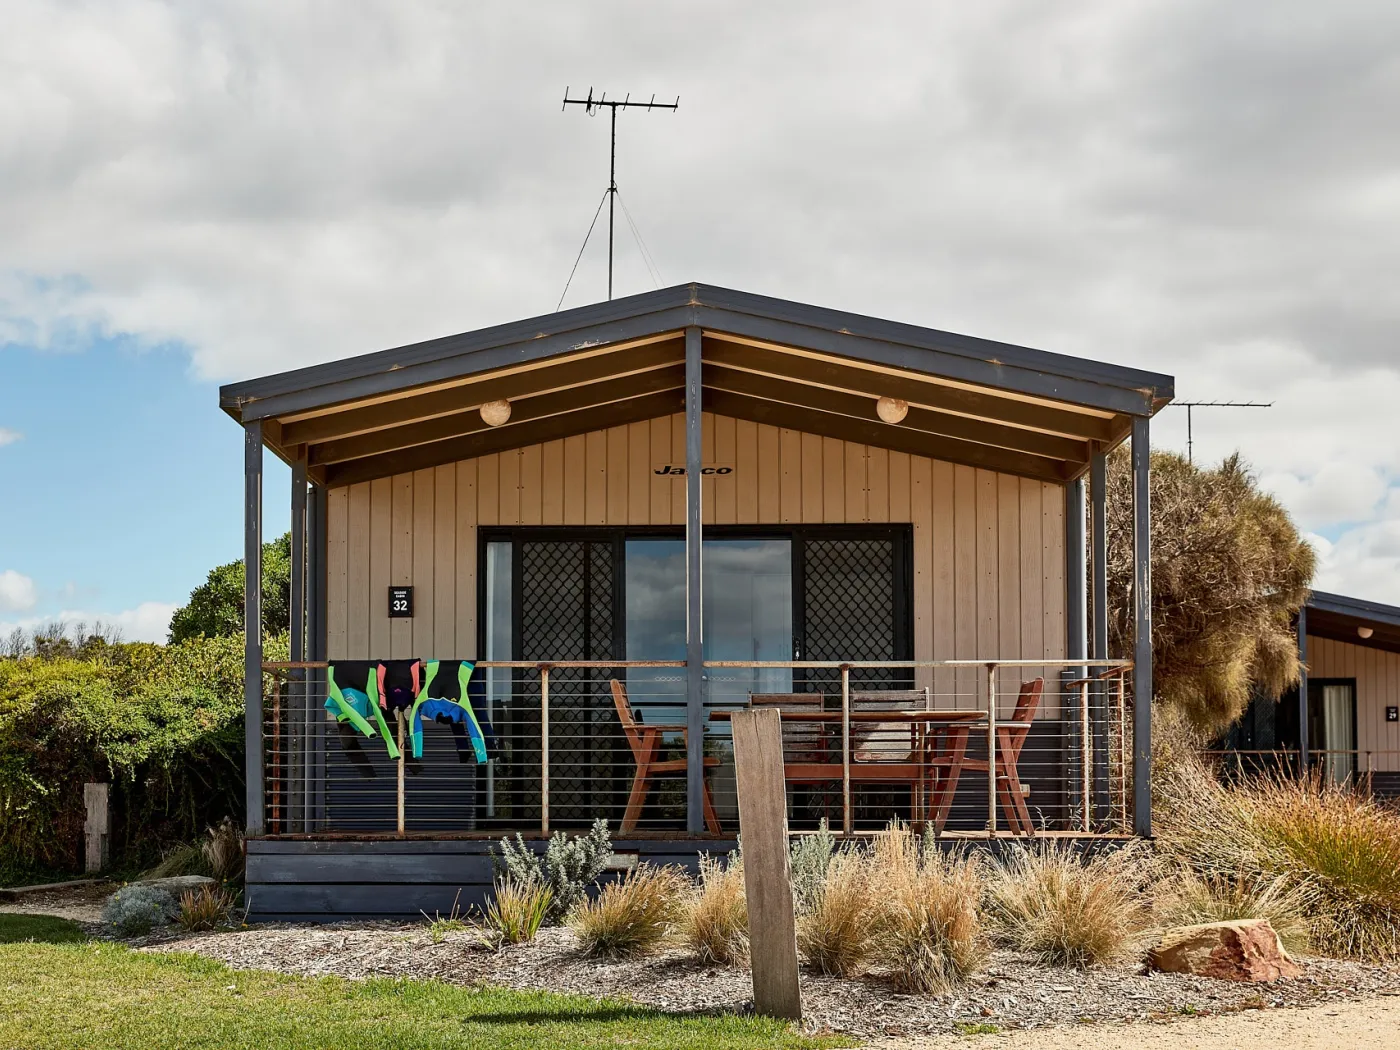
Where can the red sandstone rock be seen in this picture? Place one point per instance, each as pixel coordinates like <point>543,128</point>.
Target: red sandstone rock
<point>1238,950</point>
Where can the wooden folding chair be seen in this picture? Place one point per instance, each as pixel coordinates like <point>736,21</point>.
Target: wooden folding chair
<point>1011,737</point>
<point>645,741</point>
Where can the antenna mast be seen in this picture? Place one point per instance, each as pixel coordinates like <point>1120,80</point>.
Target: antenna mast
<point>591,106</point>
<point>1189,405</point>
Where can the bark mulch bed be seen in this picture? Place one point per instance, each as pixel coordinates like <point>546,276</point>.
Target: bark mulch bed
<point>1013,992</point>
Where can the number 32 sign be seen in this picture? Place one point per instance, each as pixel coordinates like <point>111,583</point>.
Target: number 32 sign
<point>400,602</point>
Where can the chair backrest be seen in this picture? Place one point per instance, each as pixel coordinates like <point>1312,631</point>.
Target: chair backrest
<point>802,741</point>
<point>624,715</point>
<point>882,741</point>
<point>1027,703</point>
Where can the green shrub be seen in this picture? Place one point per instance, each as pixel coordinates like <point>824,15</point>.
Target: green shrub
<point>568,868</point>
<point>162,724</point>
<point>632,916</point>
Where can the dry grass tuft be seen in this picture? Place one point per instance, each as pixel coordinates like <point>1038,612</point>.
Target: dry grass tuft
<point>1333,844</point>
<point>1071,911</point>
<point>929,933</point>
<point>1285,904</point>
<point>836,934</point>
<point>518,910</point>
<point>716,921</point>
<point>633,916</point>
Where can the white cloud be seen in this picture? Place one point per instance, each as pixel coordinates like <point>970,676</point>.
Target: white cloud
<point>17,592</point>
<point>1202,190</point>
<point>148,622</point>
<point>8,436</point>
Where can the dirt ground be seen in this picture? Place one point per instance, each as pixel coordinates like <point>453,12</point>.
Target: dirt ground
<point>82,904</point>
<point>1373,1024</point>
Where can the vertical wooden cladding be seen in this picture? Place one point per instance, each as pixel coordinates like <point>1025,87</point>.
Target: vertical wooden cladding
<point>988,548</point>
<point>1377,675</point>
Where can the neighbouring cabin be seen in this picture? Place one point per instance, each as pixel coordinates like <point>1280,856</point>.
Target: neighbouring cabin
<point>1344,720</point>
<point>637,518</point>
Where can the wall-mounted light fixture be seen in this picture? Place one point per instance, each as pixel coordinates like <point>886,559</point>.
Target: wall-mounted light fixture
<point>1365,632</point>
<point>891,409</point>
<point>495,413</point>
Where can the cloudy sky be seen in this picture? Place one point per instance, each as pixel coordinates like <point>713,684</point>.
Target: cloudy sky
<point>202,192</point>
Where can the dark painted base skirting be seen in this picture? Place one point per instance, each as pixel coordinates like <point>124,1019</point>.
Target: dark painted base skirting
<point>335,880</point>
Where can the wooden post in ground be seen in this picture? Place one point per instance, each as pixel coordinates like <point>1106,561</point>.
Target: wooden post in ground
<point>758,770</point>
<point>98,828</point>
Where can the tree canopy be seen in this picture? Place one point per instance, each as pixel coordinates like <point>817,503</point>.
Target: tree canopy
<point>215,608</point>
<point>1229,573</point>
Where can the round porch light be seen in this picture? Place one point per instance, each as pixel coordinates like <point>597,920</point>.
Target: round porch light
<point>1365,632</point>
<point>495,413</point>
<point>892,409</point>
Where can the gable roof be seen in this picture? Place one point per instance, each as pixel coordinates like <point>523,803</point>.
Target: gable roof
<point>1338,617</point>
<point>992,404</point>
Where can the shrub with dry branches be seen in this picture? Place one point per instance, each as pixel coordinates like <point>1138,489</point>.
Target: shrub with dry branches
<point>1229,571</point>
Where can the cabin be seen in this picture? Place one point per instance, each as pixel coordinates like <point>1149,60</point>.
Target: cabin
<point>632,519</point>
<point>1343,721</point>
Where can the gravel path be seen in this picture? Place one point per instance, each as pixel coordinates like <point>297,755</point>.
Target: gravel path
<point>82,904</point>
<point>1012,994</point>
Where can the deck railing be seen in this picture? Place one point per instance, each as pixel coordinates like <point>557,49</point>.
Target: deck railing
<point>927,741</point>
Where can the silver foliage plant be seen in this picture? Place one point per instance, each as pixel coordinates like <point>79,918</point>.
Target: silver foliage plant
<point>810,859</point>
<point>569,866</point>
<point>136,910</point>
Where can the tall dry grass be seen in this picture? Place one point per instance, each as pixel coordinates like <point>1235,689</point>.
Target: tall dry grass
<point>633,916</point>
<point>928,930</point>
<point>1070,910</point>
<point>1337,847</point>
<point>715,924</point>
<point>1187,899</point>
<point>836,931</point>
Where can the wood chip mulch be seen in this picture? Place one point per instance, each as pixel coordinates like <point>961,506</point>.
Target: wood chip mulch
<point>1013,992</point>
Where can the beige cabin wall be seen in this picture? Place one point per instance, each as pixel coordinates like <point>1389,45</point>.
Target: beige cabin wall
<point>989,555</point>
<point>1377,675</point>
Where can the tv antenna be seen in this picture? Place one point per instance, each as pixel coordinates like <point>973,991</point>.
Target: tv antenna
<point>1189,405</point>
<point>591,106</point>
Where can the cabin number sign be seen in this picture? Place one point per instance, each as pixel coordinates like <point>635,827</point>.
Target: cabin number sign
<point>673,471</point>
<point>400,603</point>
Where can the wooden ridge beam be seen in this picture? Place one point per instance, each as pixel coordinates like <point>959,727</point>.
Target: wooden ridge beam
<point>862,406</point>
<point>512,435</point>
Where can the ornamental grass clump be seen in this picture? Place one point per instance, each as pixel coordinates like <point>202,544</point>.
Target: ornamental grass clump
<point>836,931</point>
<point>517,910</point>
<point>632,916</point>
<point>715,924</point>
<point>1340,849</point>
<point>928,932</point>
<point>1068,910</point>
<point>205,908</point>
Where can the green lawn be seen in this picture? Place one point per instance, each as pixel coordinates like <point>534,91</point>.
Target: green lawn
<point>43,928</point>
<point>107,997</point>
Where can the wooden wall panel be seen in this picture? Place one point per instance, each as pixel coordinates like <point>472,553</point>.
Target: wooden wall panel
<point>1377,675</point>
<point>988,549</point>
